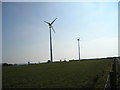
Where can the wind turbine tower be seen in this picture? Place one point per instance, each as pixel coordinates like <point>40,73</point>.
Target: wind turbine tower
<point>51,27</point>
<point>79,47</point>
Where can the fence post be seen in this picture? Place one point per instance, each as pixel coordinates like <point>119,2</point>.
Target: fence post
<point>114,65</point>
<point>113,80</point>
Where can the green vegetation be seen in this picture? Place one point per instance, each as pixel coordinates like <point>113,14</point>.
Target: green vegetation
<point>118,70</point>
<point>74,74</point>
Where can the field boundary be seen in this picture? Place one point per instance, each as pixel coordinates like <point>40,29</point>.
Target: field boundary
<point>112,77</point>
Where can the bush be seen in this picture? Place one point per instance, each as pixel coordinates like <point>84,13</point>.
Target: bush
<point>49,61</point>
<point>5,64</point>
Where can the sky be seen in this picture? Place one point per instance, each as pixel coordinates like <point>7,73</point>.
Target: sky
<point>25,36</point>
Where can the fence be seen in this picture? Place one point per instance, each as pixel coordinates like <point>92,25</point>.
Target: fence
<point>111,81</point>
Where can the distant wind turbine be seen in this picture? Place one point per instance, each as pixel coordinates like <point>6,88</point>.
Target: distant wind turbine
<point>50,26</point>
<point>79,47</point>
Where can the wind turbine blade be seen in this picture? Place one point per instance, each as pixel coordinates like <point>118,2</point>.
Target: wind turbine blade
<point>53,21</point>
<point>53,29</point>
<point>47,22</point>
<point>80,39</point>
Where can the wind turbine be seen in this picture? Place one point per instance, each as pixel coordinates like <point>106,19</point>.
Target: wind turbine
<point>79,47</point>
<point>50,26</point>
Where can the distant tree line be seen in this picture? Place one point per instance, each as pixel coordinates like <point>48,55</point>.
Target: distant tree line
<point>6,64</point>
<point>49,61</point>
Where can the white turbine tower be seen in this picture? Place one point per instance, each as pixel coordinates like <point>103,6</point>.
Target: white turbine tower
<point>50,26</point>
<point>79,47</point>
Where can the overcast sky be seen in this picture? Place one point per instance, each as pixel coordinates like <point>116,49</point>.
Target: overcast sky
<point>26,36</point>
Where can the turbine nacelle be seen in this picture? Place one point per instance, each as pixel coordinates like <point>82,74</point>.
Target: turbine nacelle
<point>50,24</point>
<point>79,39</point>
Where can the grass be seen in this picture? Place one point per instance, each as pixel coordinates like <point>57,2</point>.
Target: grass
<point>75,74</point>
<point>118,70</point>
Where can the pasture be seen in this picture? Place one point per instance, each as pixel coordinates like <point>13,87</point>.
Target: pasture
<point>74,74</point>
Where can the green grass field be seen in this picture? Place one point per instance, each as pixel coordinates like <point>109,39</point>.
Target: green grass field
<point>75,74</point>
